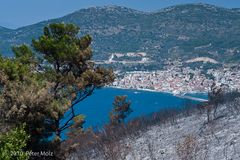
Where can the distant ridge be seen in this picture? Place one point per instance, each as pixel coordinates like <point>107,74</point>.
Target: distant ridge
<point>115,7</point>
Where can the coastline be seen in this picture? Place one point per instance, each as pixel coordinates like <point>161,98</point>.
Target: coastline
<point>140,89</point>
<point>182,95</point>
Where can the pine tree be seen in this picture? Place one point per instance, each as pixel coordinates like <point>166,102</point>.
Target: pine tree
<point>121,110</point>
<point>39,86</point>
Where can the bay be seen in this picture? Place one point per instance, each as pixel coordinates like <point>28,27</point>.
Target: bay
<point>97,107</point>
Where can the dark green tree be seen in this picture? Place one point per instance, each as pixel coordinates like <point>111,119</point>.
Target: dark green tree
<point>38,89</point>
<point>121,109</point>
<point>70,68</point>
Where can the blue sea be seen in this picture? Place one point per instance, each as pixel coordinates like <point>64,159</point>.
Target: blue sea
<point>96,107</point>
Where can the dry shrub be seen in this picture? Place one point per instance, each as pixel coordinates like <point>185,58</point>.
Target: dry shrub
<point>187,149</point>
<point>107,141</point>
<point>113,150</point>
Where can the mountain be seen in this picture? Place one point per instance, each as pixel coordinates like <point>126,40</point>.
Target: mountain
<point>3,29</point>
<point>183,31</point>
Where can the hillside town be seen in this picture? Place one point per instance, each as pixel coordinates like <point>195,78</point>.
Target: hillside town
<point>176,80</point>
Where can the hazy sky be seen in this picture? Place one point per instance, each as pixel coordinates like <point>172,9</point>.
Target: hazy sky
<point>16,13</point>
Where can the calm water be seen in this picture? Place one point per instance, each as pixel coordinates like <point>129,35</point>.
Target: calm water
<point>96,108</point>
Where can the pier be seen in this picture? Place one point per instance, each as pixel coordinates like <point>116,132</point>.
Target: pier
<point>192,98</point>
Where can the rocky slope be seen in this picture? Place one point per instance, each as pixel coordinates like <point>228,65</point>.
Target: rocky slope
<point>191,138</point>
